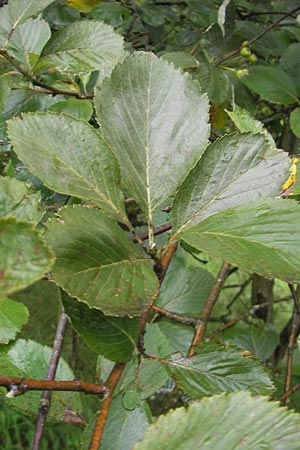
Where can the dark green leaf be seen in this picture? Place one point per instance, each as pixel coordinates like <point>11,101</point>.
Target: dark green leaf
<point>5,83</point>
<point>151,14</point>
<point>180,336</point>
<point>235,421</point>
<point>295,122</point>
<point>290,63</point>
<point>112,13</point>
<point>82,109</point>
<point>13,315</point>
<point>98,264</point>
<point>181,59</point>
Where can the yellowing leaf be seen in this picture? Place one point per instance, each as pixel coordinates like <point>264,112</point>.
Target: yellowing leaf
<point>84,6</point>
<point>292,177</point>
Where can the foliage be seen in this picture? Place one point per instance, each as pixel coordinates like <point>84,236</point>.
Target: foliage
<point>145,144</point>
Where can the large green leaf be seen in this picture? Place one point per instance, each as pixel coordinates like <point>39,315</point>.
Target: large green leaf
<point>155,120</point>
<point>215,369</point>
<point>113,337</point>
<point>130,426</point>
<point>272,84</point>
<point>260,237</point>
<point>82,47</point>
<point>232,422</point>
<point>98,264</point>
<point>13,315</point>
<point>233,170</point>
<point>70,157</point>
<point>24,256</point>
<point>28,359</point>
<point>16,13</point>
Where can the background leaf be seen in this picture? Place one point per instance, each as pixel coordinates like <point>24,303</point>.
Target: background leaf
<point>233,170</point>
<point>215,369</point>
<point>13,315</point>
<point>29,359</point>
<point>259,237</point>
<point>24,256</point>
<point>82,47</point>
<point>206,424</point>
<point>113,337</point>
<point>155,120</point>
<point>295,121</point>
<point>98,264</point>
<point>70,157</point>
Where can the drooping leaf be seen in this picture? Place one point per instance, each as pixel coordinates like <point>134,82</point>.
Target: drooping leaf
<point>98,264</point>
<point>16,13</point>
<point>233,170</point>
<point>16,200</point>
<point>295,121</point>
<point>260,341</point>
<point>28,359</point>
<point>155,119</point>
<point>70,157</point>
<point>113,337</point>
<point>82,47</point>
<point>130,426</point>
<point>234,421</point>
<point>260,237</point>
<point>272,84</point>
<point>215,369</point>
<point>13,315</point>
<point>24,256</point>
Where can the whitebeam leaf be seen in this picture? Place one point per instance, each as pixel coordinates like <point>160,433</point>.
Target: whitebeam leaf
<point>98,264</point>
<point>233,170</point>
<point>82,47</point>
<point>260,237</point>
<point>233,422</point>
<point>70,157</point>
<point>156,121</point>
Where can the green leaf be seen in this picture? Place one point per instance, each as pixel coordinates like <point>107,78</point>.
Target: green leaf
<point>18,201</point>
<point>16,13</point>
<point>24,256</point>
<point>5,82</point>
<point>151,14</point>
<point>179,336</point>
<point>13,315</point>
<point>215,369</point>
<point>70,157</point>
<point>82,47</point>
<point>181,59</point>
<point>233,170</point>
<point>28,41</point>
<point>112,13</point>
<point>290,63</point>
<point>28,359</point>
<point>231,422</point>
<point>98,264</point>
<point>261,341</point>
<point>82,109</point>
<point>155,119</point>
<point>113,337</point>
<point>295,122</point>
<point>226,18</point>
<point>272,84</point>
<point>185,289</point>
<point>122,430</point>
<point>260,237</point>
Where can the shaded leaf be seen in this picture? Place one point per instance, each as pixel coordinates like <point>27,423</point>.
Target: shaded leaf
<point>98,264</point>
<point>82,109</point>
<point>24,256</point>
<point>113,337</point>
<point>28,359</point>
<point>272,84</point>
<point>70,157</point>
<point>234,421</point>
<point>151,14</point>
<point>179,336</point>
<point>112,13</point>
<point>295,121</point>
<point>5,82</point>
<point>181,59</point>
<point>215,369</point>
<point>13,315</point>
<point>84,46</point>
<point>233,170</point>
<point>290,63</point>
<point>259,237</point>
<point>155,119</point>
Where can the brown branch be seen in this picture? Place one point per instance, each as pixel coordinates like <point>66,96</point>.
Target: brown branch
<point>111,384</point>
<point>292,339</point>
<point>19,386</point>
<point>287,394</point>
<point>175,317</point>
<point>45,400</point>
<point>211,301</point>
<point>260,35</point>
<point>158,230</point>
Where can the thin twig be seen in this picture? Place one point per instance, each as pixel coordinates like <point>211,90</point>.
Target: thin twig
<point>211,301</point>
<point>175,317</point>
<point>292,339</point>
<point>19,386</point>
<point>111,384</point>
<point>156,231</point>
<point>45,400</point>
<point>287,394</point>
<point>260,35</point>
